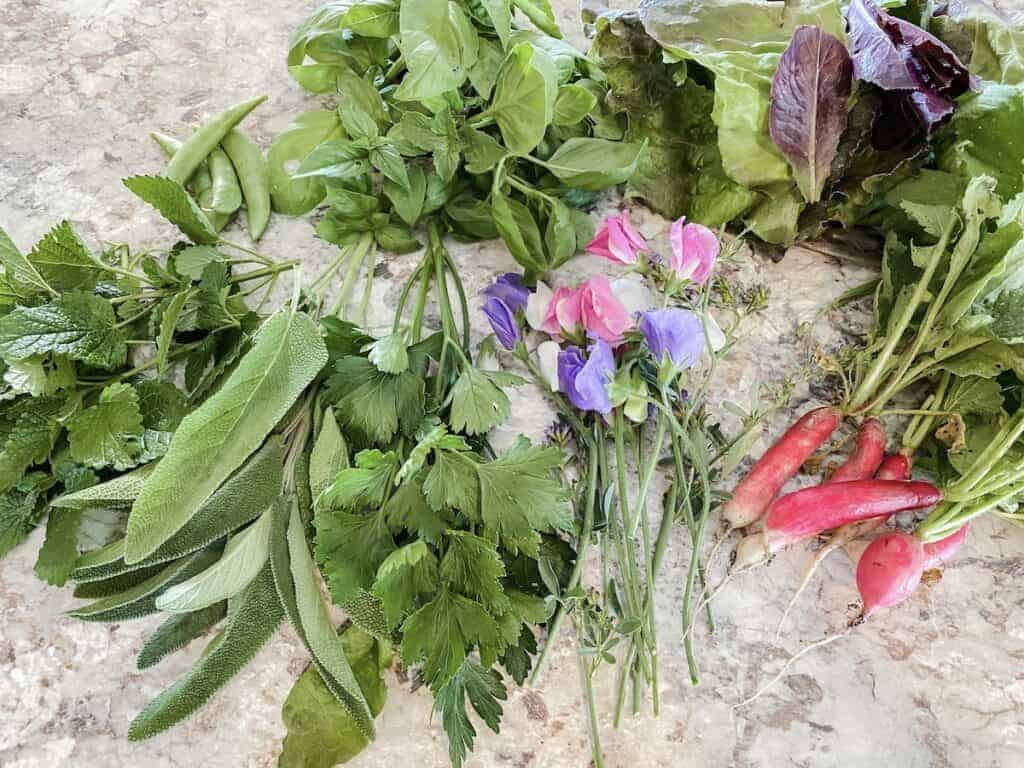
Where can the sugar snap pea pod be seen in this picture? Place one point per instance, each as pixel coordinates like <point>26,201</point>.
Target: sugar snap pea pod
<point>226,193</point>
<point>254,176</point>
<point>201,182</point>
<point>200,144</point>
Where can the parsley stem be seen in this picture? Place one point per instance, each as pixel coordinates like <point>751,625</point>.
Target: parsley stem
<point>587,681</point>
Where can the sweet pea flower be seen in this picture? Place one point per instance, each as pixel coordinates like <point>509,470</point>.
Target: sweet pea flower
<point>677,333</point>
<point>634,294</point>
<point>537,306</point>
<point>593,306</point>
<point>510,289</point>
<point>618,241</point>
<point>503,322</point>
<point>547,361</point>
<point>694,250</point>
<point>585,379</point>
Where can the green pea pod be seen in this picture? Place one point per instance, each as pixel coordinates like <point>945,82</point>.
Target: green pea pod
<point>227,194</point>
<point>254,176</point>
<point>206,138</point>
<point>201,181</point>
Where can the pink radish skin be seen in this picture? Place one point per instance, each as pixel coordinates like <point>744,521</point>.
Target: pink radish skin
<point>866,456</point>
<point>779,463</point>
<point>810,511</point>
<point>894,467</point>
<point>938,553</point>
<point>889,571</point>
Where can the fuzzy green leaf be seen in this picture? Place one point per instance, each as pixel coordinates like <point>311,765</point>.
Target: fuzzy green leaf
<point>119,491</point>
<point>177,632</point>
<point>20,272</point>
<point>20,511</point>
<point>255,617</point>
<point>329,455</point>
<point>59,552</point>
<point>214,440</point>
<point>79,325</point>
<point>243,559</point>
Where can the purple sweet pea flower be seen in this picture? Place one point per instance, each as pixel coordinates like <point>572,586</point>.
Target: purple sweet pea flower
<point>503,322</point>
<point>677,333</point>
<point>585,379</point>
<point>510,289</point>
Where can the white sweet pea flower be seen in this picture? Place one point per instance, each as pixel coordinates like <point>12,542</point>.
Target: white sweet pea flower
<point>715,334</point>
<point>547,359</point>
<point>633,293</point>
<point>537,305</point>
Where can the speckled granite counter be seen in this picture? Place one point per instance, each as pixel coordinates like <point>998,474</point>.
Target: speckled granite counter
<point>937,683</point>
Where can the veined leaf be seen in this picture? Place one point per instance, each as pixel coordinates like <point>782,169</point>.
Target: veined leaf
<point>329,455</point>
<point>524,98</point>
<point>241,498</point>
<point>62,259</point>
<point>119,491</point>
<point>595,164</point>
<point>140,600</point>
<point>318,630</point>
<point>214,440</point>
<point>477,401</point>
<point>20,511</point>
<point>809,108</point>
<point>79,325</point>
<point>108,434</point>
<point>176,205</point>
<point>254,617</point>
<point>429,41</point>
<point>21,273</point>
<point>30,440</point>
<point>177,632</point>
<point>243,559</point>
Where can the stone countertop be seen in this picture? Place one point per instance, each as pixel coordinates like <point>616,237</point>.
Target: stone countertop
<point>938,682</point>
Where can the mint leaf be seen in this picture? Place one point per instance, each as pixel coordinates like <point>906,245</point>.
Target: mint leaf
<point>441,632</point>
<point>485,691</point>
<point>404,576</point>
<point>176,205</point>
<point>109,433</point>
<point>79,325</point>
<point>62,259</point>
<point>20,272</point>
<point>30,440</point>
<point>19,514</point>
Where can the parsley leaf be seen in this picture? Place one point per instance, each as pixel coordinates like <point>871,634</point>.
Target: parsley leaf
<point>471,565</point>
<point>441,632</point>
<point>478,403</point>
<point>374,403</point>
<point>485,691</point>
<point>363,485</point>
<point>404,576</point>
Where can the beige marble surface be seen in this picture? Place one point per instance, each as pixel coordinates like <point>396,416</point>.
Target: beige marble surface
<point>937,683</point>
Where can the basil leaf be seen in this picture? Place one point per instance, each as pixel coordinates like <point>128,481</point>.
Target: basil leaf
<point>595,164</point>
<point>524,98</point>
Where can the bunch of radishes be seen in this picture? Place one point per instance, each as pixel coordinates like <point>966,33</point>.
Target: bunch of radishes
<point>855,501</point>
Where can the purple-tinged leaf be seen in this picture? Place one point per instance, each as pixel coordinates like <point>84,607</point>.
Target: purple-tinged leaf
<point>920,73</point>
<point>809,107</point>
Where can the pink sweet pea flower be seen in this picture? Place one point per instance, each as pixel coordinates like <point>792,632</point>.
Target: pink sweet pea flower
<point>618,241</point>
<point>591,305</point>
<point>694,250</point>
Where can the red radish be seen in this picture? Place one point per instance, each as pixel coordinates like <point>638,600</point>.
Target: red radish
<point>889,570</point>
<point>861,464</point>
<point>779,463</point>
<point>866,456</point>
<point>938,553</point>
<point>810,511</point>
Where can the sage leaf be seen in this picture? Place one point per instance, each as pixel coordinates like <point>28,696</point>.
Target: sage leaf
<point>243,559</point>
<point>318,630</point>
<point>214,440</point>
<point>177,632</point>
<point>119,491</point>
<point>140,600</point>
<point>252,620</point>
<point>329,455</point>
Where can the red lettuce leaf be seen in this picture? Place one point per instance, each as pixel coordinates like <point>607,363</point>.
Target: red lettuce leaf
<point>810,95</point>
<point>921,74</point>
